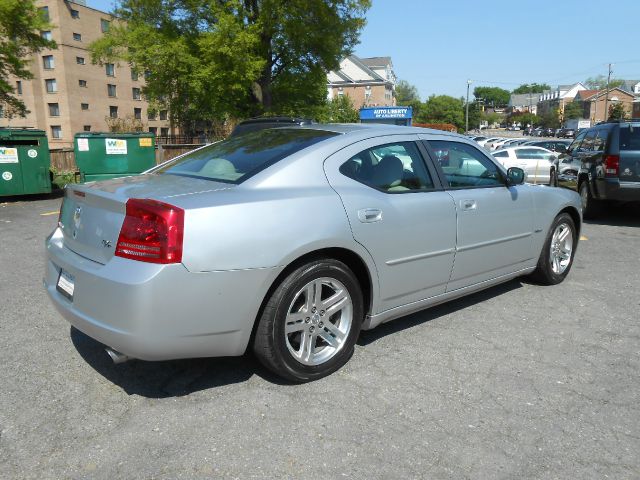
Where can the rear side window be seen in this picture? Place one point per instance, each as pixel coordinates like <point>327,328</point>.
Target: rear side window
<point>501,154</point>
<point>391,168</point>
<point>532,153</point>
<point>236,159</point>
<point>630,137</point>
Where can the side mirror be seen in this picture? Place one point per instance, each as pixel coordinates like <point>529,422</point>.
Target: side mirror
<point>515,176</point>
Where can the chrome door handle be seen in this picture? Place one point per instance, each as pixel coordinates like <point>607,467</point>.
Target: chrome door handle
<point>369,215</point>
<point>468,205</point>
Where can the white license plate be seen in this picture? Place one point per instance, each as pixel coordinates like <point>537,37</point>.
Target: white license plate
<point>66,284</point>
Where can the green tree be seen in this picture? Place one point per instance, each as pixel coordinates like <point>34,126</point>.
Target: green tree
<point>617,111</point>
<point>20,26</point>
<point>406,93</point>
<point>442,109</point>
<point>599,82</point>
<point>492,96</point>
<point>531,88</point>
<point>207,60</point>
<point>551,119</point>
<point>338,110</point>
<point>573,110</point>
<point>524,119</point>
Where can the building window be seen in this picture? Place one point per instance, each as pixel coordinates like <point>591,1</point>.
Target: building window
<point>137,113</point>
<point>77,37</point>
<point>111,90</point>
<point>110,69</point>
<point>340,91</point>
<point>153,130</point>
<point>136,93</point>
<point>56,131</point>
<point>52,86</point>
<point>75,14</point>
<point>54,110</point>
<point>164,132</point>
<point>82,83</point>
<point>134,75</point>
<point>46,35</point>
<point>151,114</point>
<point>19,87</point>
<point>80,60</point>
<point>84,106</point>
<point>1,111</point>
<point>104,25</point>
<point>113,112</point>
<point>44,12</point>
<point>87,128</point>
<point>47,62</point>
<point>163,114</point>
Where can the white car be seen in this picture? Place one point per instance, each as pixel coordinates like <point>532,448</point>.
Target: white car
<point>482,143</point>
<point>497,144</point>
<point>535,161</point>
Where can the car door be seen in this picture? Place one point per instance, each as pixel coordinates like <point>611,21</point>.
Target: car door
<point>399,212</point>
<point>495,222</point>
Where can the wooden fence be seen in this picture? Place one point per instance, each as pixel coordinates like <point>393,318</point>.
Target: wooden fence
<point>64,160</point>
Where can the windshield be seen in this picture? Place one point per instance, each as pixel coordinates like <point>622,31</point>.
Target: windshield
<point>630,137</point>
<point>236,159</point>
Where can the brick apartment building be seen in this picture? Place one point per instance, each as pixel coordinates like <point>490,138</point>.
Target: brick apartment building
<point>69,94</point>
<point>368,82</point>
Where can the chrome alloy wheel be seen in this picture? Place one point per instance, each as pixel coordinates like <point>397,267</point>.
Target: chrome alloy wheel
<point>561,248</point>
<point>318,321</point>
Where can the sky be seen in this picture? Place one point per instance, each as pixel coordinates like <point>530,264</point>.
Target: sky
<point>438,45</point>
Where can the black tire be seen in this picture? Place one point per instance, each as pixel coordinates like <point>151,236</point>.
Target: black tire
<point>544,272</point>
<point>272,345</point>
<point>591,207</point>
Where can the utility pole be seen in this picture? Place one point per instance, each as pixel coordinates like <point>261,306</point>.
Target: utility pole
<point>466,120</point>
<point>606,98</point>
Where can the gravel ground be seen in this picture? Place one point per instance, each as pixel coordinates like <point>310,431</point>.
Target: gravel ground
<point>519,381</point>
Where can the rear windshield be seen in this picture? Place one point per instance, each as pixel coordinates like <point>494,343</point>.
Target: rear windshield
<point>238,158</point>
<point>630,137</point>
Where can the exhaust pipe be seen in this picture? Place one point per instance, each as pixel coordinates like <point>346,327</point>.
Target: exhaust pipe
<point>116,356</point>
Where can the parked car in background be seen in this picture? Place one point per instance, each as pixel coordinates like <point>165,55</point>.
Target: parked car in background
<point>558,146</point>
<point>495,144</point>
<point>607,159</point>
<point>548,132</point>
<point>566,133</point>
<point>482,143</point>
<point>537,132</point>
<point>289,241</point>
<point>537,162</point>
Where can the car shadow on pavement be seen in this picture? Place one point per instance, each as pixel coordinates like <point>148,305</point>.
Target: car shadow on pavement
<point>174,378</point>
<point>625,215</point>
<point>424,316</point>
<point>56,193</point>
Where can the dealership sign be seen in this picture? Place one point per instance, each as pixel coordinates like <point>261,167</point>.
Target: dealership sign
<point>378,113</point>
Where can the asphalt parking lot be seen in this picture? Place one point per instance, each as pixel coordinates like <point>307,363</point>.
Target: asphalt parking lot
<point>519,381</point>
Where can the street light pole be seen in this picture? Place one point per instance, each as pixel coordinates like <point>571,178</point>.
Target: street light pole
<point>467,112</point>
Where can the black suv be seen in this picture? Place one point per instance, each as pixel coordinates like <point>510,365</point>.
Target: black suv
<point>607,162</point>
<point>261,123</point>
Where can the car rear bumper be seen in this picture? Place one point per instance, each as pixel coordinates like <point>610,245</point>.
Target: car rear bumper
<point>157,312</point>
<point>614,189</point>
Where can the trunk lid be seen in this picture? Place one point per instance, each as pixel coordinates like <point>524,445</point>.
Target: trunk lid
<point>92,214</point>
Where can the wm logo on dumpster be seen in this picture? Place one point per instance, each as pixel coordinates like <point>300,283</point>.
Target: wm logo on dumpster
<point>115,146</point>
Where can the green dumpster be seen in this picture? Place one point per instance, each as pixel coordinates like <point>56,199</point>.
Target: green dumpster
<point>24,162</point>
<point>100,156</point>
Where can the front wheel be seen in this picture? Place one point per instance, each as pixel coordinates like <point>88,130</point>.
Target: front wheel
<point>311,322</point>
<point>558,251</point>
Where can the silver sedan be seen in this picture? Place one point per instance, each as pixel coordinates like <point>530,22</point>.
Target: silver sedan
<point>289,241</point>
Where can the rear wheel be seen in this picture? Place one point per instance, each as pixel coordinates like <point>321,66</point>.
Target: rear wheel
<point>558,251</point>
<point>311,322</point>
<point>591,207</point>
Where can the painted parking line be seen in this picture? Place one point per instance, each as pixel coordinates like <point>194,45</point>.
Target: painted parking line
<point>55,212</point>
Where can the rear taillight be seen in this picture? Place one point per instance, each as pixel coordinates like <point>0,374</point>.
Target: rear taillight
<point>152,232</point>
<point>611,165</point>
